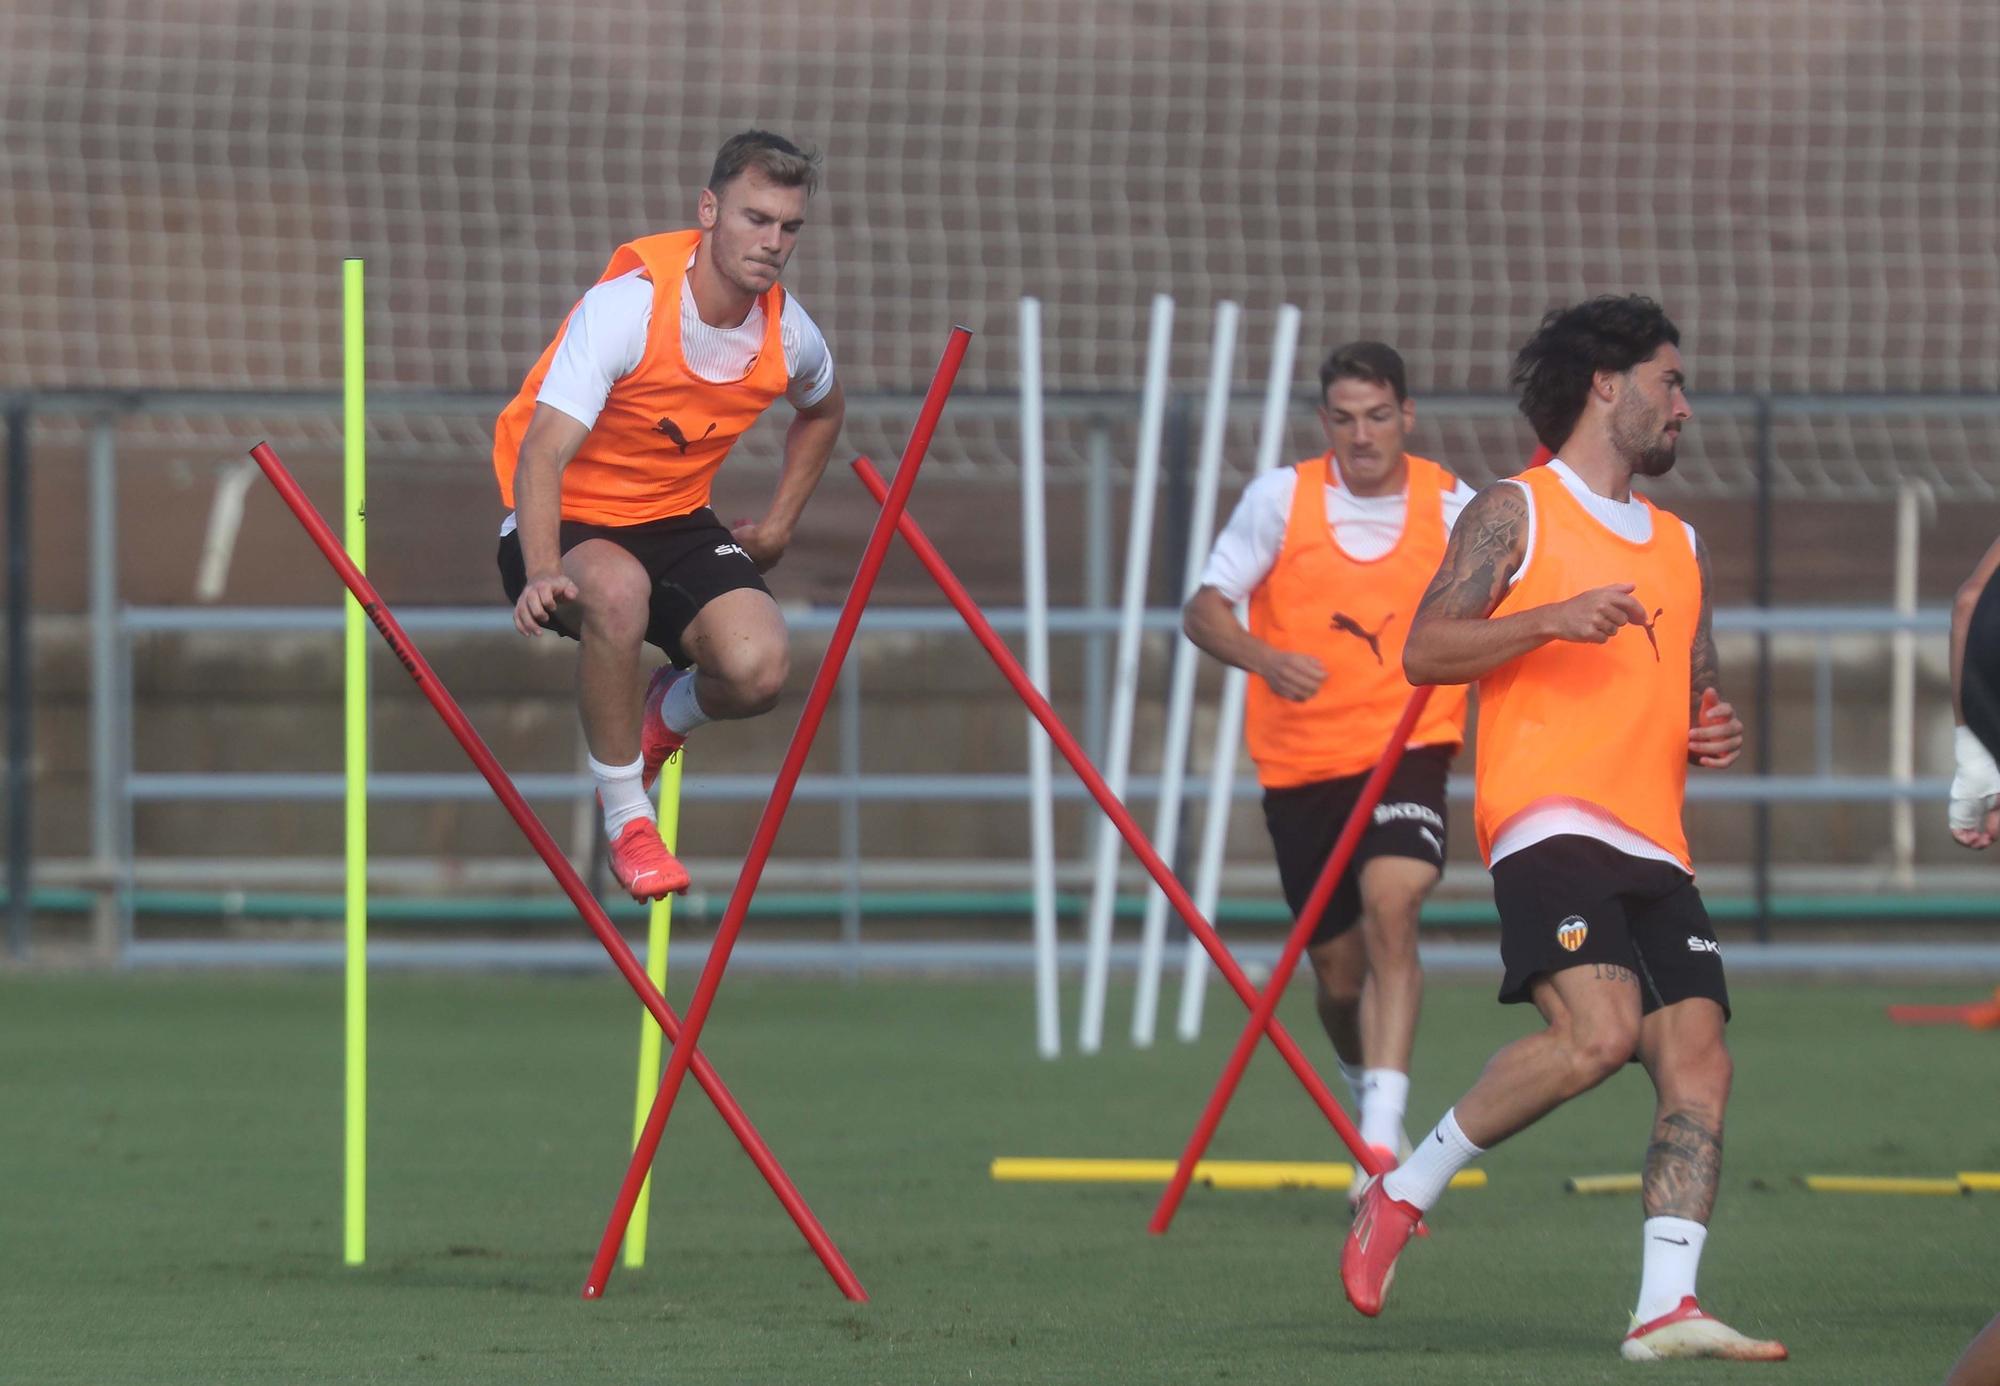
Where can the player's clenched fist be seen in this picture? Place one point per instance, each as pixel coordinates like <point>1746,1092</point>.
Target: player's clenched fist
<point>1593,617</point>
<point>1716,738</point>
<point>1293,677</point>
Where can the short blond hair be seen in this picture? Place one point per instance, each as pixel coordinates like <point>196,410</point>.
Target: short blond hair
<point>774,156</point>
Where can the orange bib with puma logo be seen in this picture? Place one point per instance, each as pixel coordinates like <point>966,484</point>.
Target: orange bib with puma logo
<point>1607,724</point>
<point>1353,616</point>
<point>664,431</point>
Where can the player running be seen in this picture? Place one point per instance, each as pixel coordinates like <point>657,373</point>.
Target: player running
<point>607,454</point>
<point>1583,611</point>
<point>1333,556</point>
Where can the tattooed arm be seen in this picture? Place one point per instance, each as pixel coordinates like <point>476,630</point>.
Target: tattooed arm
<point>1703,671</point>
<point>1715,733</point>
<point>1452,638</point>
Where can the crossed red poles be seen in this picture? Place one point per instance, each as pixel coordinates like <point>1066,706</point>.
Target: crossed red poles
<point>684,1032</point>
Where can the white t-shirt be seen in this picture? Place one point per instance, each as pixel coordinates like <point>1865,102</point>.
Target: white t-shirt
<point>1557,816</point>
<point>1365,527</point>
<point>605,340</point>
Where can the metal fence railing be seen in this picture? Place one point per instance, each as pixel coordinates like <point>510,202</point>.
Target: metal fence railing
<point>114,625</point>
<point>118,789</point>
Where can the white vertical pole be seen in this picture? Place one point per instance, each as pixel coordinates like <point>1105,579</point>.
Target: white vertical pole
<point>1125,677</point>
<point>1903,687</point>
<point>1235,684</point>
<point>1186,662</point>
<point>1035,585</point>
<point>1214,836</point>
<point>104,679</point>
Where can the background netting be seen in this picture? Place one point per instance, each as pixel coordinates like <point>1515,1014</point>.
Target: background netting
<point>1810,185</point>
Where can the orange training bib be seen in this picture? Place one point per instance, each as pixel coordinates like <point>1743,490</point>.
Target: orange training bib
<point>1353,616</point>
<point>1607,724</point>
<point>664,431</point>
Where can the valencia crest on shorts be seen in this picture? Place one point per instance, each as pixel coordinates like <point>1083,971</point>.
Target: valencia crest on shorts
<point>1573,901</point>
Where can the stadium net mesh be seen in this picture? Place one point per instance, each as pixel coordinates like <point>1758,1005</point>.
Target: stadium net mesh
<point>1809,185</point>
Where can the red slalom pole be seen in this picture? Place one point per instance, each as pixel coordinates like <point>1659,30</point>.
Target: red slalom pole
<point>1267,1004</point>
<point>629,967</point>
<point>1128,828</point>
<point>768,823</point>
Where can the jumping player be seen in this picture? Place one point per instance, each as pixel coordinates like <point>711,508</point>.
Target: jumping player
<point>606,457</point>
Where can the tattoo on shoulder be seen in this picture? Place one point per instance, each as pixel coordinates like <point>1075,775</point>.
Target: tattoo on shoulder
<point>1704,670</point>
<point>1486,546</point>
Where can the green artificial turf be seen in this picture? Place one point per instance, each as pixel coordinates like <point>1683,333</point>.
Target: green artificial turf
<point>170,1203</point>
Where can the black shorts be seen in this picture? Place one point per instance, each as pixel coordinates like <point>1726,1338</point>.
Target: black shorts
<point>1572,901</point>
<point>1305,820</point>
<point>1979,684</point>
<point>691,559</point>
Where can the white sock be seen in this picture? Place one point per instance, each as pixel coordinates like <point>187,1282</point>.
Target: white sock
<point>1420,1180</point>
<point>619,793</point>
<point>680,710</point>
<point>1673,1254</point>
<point>1382,1107</point>
<point>1357,1082</point>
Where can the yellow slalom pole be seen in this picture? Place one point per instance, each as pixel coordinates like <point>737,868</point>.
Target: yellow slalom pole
<point>1603,1184</point>
<point>354,425</point>
<point>659,926</point>
<point>1219,1174</point>
<point>1870,1184</point>
<point>1980,1180</point>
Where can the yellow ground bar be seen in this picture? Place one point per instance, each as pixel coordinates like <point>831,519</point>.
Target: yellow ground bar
<point>1603,1184</point>
<point>1980,1180</point>
<point>1863,1184</point>
<point>1219,1174</point>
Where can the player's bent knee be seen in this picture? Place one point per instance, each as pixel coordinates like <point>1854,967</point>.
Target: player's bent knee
<point>613,609</point>
<point>766,682</point>
<point>1344,997</point>
<point>1600,1051</point>
<point>751,677</point>
<point>1339,969</point>
<point>1338,983</point>
<point>755,686</point>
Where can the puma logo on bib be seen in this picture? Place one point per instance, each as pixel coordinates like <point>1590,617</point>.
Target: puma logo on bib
<point>1372,638</point>
<point>678,438</point>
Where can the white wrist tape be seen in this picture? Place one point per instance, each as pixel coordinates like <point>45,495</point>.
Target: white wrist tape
<point>1975,788</point>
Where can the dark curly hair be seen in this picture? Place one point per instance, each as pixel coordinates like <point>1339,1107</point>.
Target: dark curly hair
<point>1554,369</point>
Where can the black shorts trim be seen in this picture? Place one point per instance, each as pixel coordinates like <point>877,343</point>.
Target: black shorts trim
<point>1573,901</point>
<point>1305,821</point>
<point>692,559</point>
